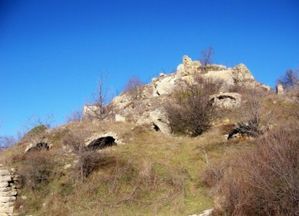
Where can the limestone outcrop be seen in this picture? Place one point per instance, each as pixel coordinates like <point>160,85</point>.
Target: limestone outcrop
<point>279,89</point>
<point>148,108</point>
<point>9,183</point>
<point>228,100</point>
<point>188,67</point>
<point>90,111</point>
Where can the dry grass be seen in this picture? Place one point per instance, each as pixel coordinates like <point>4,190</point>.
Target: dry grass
<point>262,180</point>
<point>150,174</point>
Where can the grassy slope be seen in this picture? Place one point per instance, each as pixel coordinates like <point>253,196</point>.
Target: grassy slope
<point>151,174</point>
<point>164,169</point>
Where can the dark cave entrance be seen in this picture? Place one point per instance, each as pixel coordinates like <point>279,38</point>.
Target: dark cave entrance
<point>40,146</point>
<point>155,127</point>
<point>101,143</point>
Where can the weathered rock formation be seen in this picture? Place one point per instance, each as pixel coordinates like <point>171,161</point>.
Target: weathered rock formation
<point>188,67</point>
<point>148,108</point>
<point>229,100</point>
<point>279,89</point>
<point>9,182</point>
<point>90,111</point>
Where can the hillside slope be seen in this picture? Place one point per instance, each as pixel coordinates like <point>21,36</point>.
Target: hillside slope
<point>130,162</point>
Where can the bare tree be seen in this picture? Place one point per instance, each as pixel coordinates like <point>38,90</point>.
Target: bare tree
<point>75,117</point>
<point>289,79</point>
<point>88,159</point>
<point>206,58</point>
<point>101,97</point>
<point>134,87</point>
<point>100,109</point>
<point>6,141</point>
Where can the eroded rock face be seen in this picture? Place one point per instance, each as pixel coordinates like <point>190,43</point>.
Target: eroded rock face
<point>227,100</point>
<point>90,111</point>
<point>148,108</point>
<point>164,86</point>
<point>188,67</point>
<point>239,75</point>
<point>157,119</point>
<point>9,182</point>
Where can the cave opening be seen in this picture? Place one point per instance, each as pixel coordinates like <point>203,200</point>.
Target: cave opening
<point>102,142</point>
<point>155,127</point>
<point>39,147</point>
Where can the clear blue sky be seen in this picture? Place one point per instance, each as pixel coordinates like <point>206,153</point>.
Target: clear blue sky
<point>52,52</point>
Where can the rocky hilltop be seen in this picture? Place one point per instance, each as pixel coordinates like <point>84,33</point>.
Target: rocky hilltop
<point>144,106</point>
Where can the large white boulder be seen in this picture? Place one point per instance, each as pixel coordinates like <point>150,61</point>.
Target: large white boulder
<point>164,86</point>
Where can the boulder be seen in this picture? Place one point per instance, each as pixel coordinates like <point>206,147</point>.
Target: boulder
<point>90,111</point>
<point>223,76</point>
<point>228,100</point>
<point>207,212</point>
<point>279,89</point>
<point>242,74</point>
<point>188,67</point>
<point>157,119</point>
<point>119,118</point>
<point>239,75</point>
<point>164,86</point>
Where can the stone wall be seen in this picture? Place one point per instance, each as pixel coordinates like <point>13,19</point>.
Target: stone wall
<point>8,191</point>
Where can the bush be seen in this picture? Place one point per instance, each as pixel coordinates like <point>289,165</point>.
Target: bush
<point>36,170</point>
<point>88,162</point>
<point>88,159</point>
<point>134,88</point>
<point>263,180</point>
<point>75,117</point>
<point>253,119</point>
<point>191,112</point>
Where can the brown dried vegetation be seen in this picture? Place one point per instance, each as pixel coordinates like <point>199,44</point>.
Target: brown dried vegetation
<point>191,112</point>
